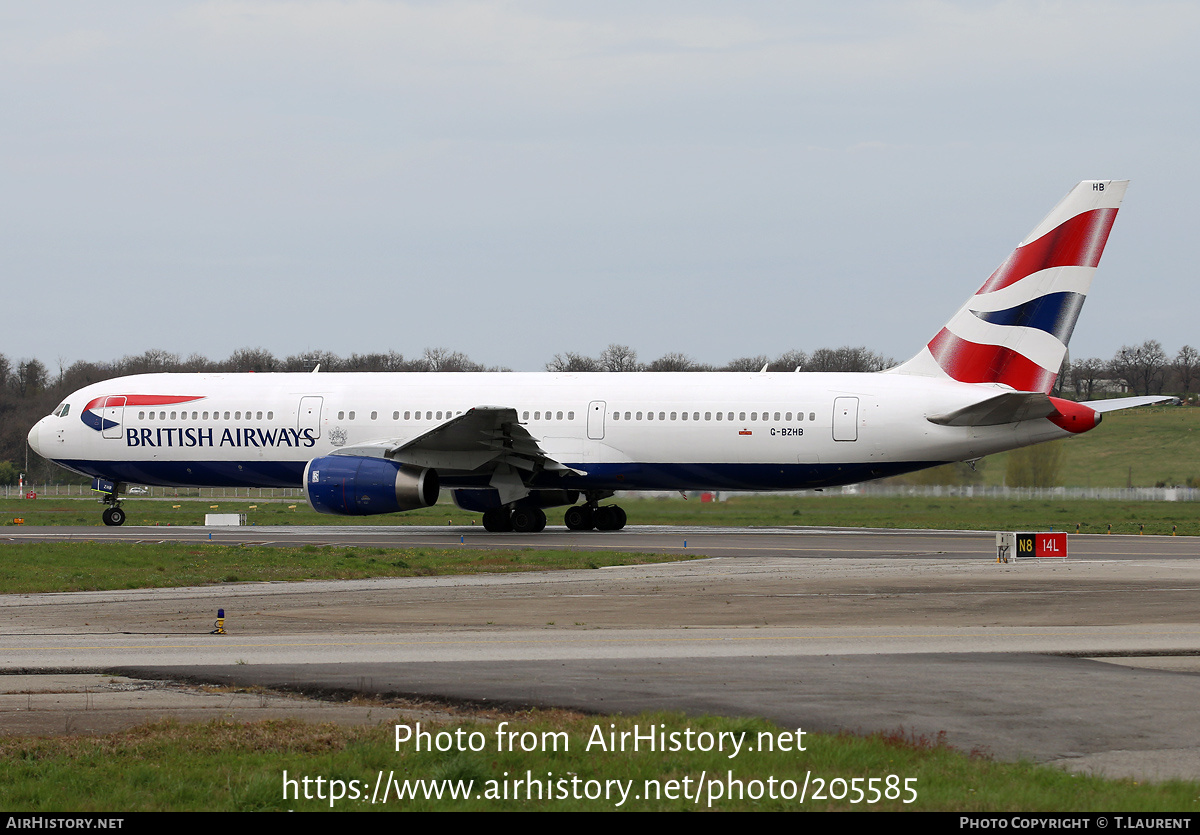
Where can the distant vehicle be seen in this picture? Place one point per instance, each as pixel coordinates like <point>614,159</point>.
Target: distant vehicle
<point>137,491</point>
<point>510,445</point>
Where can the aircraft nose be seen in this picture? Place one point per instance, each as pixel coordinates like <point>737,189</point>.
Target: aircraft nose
<point>35,437</point>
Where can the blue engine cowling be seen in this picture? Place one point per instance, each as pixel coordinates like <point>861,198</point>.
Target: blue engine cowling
<point>349,485</point>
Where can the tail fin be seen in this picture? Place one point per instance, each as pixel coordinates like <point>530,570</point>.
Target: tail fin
<point>1014,330</point>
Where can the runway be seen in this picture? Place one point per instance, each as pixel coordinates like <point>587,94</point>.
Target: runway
<point>815,628</point>
<point>812,542</point>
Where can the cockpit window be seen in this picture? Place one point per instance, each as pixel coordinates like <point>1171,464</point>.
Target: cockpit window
<point>62,410</point>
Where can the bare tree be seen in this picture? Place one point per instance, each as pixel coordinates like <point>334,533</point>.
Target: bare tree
<point>790,361</point>
<point>258,360</point>
<point>1187,368</point>
<point>675,362</point>
<point>571,361</point>
<point>30,378</point>
<point>391,361</point>
<point>1142,367</point>
<point>619,358</point>
<point>848,359</point>
<point>443,359</point>
<point>327,360</point>
<point>1085,374</point>
<point>748,363</point>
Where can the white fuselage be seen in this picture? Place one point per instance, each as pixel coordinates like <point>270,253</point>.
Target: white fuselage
<point>629,431</point>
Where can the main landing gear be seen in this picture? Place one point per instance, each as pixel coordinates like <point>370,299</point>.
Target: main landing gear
<point>584,517</point>
<point>519,519</point>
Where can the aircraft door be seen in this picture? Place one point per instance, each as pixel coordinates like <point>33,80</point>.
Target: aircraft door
<point>845,419</point>
<point>309,416</point>
<point>596,420</point>
<point>112,413</point>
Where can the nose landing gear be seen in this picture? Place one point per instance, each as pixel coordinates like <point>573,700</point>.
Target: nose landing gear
<point>110,495</point>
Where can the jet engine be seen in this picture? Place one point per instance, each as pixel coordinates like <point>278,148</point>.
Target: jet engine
<point>349,485</point>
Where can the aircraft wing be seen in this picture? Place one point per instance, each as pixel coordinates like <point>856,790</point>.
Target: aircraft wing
<point>1009,407</point>
<point>482,439</point>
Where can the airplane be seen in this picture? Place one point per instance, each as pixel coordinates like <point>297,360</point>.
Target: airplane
<point>511,445</point>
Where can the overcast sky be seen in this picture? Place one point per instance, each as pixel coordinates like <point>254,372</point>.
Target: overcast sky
<point>517,179</point>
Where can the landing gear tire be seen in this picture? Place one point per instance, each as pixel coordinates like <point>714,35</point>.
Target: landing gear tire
<point>113,516</point>
<point>580,518</point>
<point>611,518</point>
<point>528,520</point>
<point>497,521</point>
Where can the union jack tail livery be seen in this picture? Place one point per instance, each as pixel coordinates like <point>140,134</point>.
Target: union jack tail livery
<point>1014,331</point>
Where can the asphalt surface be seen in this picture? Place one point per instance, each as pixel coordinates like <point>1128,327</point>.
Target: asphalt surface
<point>1090,662</point>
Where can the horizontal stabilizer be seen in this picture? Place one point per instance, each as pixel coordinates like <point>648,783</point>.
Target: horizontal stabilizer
<point>1117,403</point>
<point>1010,407</point>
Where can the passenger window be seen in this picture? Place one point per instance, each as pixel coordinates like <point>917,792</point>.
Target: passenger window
<point>754,416</point>
<point>374,415</point>
<point>662,415</point>
<point>788,417</point>
<point>685,415</point>
<point>616,415</point>
<point>341,415</point>
<point>570,416</point>
<point>559,416</point>
<point>395,416</point>
<point>708,415</point>
<point>649,415</point>
<point>525,416</point>
<point>237,415</point>
<point>720,415</point>
<point>812,415</point>
<point>639,415</point>
<point>537,415</point>
<point>673,416</point>
<point>627,416</point>
<point>741,417</point>
<point>352,415</point>
<point>258,415</point>
<point>141,415</point>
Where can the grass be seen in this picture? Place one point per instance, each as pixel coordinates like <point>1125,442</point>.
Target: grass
<point>832,509</point>
<point>1141,447</point>
<point>222,766</point>
<point>91,566</point>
